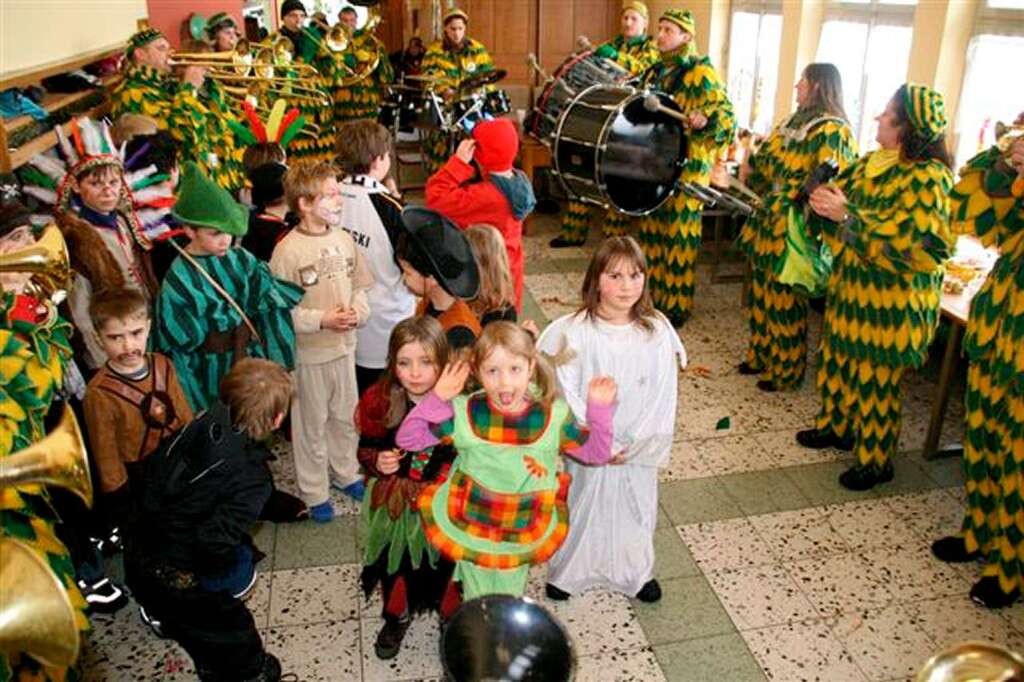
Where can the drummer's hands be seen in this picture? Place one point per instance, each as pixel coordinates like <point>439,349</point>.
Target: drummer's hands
<point>828,201</point>
<point>465,151</point>
<point>697,120</point>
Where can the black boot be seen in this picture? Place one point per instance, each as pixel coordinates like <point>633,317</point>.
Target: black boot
<point>746,369</point>
<point>953,550</point>
<point>389,639</point>
<point>678,319</point>
<point>987,592</point>
<point>650,592</point>
<point>819,440</point>
<point>555,594</point>
<point>562,243</point>
<point>860,477</point>
<point>766,386</point>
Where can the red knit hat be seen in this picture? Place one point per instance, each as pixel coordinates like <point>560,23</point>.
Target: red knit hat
<point>497,143</point>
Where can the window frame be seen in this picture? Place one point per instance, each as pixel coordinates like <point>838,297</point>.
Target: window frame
<point>761,8</point>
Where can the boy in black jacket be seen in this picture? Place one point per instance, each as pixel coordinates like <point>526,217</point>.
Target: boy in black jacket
<point>189,558</point>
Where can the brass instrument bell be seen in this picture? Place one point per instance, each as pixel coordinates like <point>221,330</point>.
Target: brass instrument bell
<point>36,615</point>
<point>47,260</point>
<point>973,662</point>
<point>58,459</point>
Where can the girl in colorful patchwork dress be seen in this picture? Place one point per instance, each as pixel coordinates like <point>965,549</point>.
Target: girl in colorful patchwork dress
<point>613,509</point>
<point>411,574</point>
<point>503,507</point>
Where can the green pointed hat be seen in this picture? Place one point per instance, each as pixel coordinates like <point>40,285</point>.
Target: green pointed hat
<point>204,203</point>
<point>681,18</point>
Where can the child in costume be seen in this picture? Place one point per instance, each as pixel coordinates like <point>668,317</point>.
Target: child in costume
<point>323,259</point>
<point>886,219</point>
<point>503,197</point>
<point>373,216</point>
<point>412,575</point>
<point>133,401</point>
<point>219,304</point>
<point>438,265</point>
<point>503,507</point>
<point>989,202</point>
<point>614,508</point>
<point>496,300</point>
<point>188,556</point>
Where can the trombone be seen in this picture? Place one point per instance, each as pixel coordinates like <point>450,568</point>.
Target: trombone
<point>241,61</point>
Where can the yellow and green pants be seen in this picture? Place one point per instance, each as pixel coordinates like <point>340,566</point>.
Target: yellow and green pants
<point>670,238</point>
<point>355,102</point>
<point>860,398</point>
<point>777,317</point>
<point>577,217</point>
<point>435,150</point>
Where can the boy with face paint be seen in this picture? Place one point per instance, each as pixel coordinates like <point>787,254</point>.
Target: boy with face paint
<point>320,257</point>
<point>219,304</point>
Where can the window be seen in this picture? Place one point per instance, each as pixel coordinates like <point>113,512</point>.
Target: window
<point>869,42</point>
<point>755,35</point>
<point>988,95</point>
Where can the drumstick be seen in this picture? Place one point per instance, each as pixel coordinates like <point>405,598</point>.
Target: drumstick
<point>653,103</point>
<point>531,61</point>
<point>583,43</point>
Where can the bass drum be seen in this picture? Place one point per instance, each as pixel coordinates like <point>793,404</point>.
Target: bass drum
<point>610,150</point>
<point>574,75</point>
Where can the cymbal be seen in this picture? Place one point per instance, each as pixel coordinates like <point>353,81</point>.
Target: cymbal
<point>485,78</point>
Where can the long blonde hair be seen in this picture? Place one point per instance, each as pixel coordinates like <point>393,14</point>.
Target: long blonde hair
<point>517,341</point>
<point>607,255</point>
<point>496,289</point>
<point>425,331</point>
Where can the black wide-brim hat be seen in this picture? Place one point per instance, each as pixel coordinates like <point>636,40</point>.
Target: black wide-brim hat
<point>445,250</point>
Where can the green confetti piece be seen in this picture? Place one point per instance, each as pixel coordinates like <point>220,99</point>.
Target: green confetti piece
<point>723,424</point>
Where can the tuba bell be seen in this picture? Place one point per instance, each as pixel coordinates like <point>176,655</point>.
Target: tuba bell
<point>36,615</point>
<point>48,262</point>
<point>970,661</point>
<point>58,459</point>
<point>373,20</point>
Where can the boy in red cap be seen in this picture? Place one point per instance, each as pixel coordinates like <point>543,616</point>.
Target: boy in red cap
<point>502,197</point>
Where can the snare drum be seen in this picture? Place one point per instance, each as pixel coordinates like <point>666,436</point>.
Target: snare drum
<point>413,108</point>
<point>608,149</point>
<point>497,103</point>
<point>575,74</point>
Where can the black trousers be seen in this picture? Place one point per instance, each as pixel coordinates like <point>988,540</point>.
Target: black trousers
<point>216,629</point>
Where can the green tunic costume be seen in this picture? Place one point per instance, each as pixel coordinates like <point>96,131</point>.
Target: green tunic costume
<point>993,524</point>
<point>32,358</point>
<point>450,68</point>
<point>883,295</point>
<point>637,55</point>
<point>670,236</point>
<point>777,312</point>
<point>189,310</point>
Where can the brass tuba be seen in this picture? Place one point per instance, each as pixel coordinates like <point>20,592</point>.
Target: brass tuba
<point>970,661</point>
<point>58,459</point>
<point>48,262</point>
<point>373,20</point>
<point>36,615</point>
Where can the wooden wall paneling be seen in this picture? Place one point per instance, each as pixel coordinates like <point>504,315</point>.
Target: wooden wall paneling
<point>556,32</point>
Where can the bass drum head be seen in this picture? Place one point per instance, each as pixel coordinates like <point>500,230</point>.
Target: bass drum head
<point>643,156</point>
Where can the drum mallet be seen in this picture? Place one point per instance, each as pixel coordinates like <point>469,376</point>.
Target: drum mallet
<point>653,103</point>
<point>531,61</point>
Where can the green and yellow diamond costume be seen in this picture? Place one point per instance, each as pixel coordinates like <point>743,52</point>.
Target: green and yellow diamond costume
<point>883,296</point>
<point>319,147</point>
<point>362,99</point>
<point>984,205</point>
<point>777,312</point>
<point>32,358</point>
<point>450,66</point>
<point>637,55</point>
<point>671,236</point>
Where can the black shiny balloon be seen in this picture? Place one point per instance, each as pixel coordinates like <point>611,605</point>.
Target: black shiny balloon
<point>505,638</point>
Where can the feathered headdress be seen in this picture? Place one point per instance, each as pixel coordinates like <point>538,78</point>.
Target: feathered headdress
<point>281,126</point>
<point>86,145</point>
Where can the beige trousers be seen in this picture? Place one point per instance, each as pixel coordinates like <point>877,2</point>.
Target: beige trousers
<point>324,438</point>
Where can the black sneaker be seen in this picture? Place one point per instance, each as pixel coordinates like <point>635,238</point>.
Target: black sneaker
<point>153,623</point>
<point>987,592</point>
<point>746,369</point>
<point>953,550</point>
<point>555,594</point>
<point>102,596</point>
<point>819,440</point>
<point>389,639</point>
<point>650,592</point>
<point>562,243</point>
<point>766,386</point>
<point>861,478</point>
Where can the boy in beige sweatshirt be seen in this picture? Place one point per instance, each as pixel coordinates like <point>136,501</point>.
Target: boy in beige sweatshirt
<point>324,260</point>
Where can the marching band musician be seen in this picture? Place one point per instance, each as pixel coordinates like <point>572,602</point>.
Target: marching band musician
<point>670,237</point>
<point>817,133</point>
<point>636,51</point>
<point>450,62</point>
<point>986,204</point>
<point>222,32</point>
<point>886,220</point>
<point>362,99</point>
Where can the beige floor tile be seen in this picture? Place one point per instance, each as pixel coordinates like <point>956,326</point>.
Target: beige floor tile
<point>782,448</point>
<point>418,658</point>
<point>885,644</point>
<point>869,524</point>
<point>732,454</point>
<point>121,647</point>
<point>760,596</point>
<point>620,666</point>
<point>931,515</point>
<point>599,622</point>
<point>685,463</point>
<point>802,651</point>
<point>913,574</point>
<point>258,599</point>
<point>321,652</point>
<point>800,534</point>
<point>725,545</point>
<point>957,619</point>
<point>839,584</point>
<point>313,595</point>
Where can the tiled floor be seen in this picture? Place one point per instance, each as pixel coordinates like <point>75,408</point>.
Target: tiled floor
<point>770,569</point>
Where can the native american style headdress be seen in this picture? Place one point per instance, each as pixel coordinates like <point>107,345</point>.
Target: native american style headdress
<point>281,126</point>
